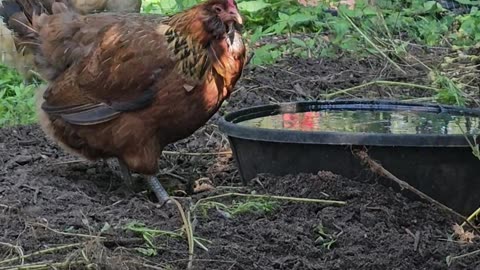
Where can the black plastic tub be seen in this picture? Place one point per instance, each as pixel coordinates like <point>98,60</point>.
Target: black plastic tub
<point>440,165</point>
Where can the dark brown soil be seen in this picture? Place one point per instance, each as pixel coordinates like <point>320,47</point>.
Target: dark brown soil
<point>50,199</point>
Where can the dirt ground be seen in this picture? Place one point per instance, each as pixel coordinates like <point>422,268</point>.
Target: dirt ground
<point>66,209</point>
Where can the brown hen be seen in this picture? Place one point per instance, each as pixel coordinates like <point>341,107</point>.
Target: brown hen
<point>126,85</point>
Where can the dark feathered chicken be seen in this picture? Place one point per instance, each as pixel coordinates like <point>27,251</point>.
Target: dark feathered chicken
<point>126,85</point>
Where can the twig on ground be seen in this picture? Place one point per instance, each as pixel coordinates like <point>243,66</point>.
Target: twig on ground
<point>18,249</point>
<point>45,265</point>
<point>176,153</point>
<point>66,233</point>
<point>70,162</point>
<point>451,259</point>
<point>416,238</point>
<point>40,252</point>
<point>379,170</point>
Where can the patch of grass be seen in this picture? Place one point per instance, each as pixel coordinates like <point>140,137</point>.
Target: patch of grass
<point>253,205</point>
<point>17,101</point>
<point>392,23</point>
<point>149,235</point>
<point>450,92</point>
<point>325,238</point>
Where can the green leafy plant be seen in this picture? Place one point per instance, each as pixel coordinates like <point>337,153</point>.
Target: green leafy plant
<point>326,240</point>
<point>149,235</point>
<point>17,101</point>
<point>258,206</point>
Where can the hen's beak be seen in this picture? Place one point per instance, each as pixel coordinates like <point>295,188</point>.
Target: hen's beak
<point>237,18</point>
<point>234,15</point>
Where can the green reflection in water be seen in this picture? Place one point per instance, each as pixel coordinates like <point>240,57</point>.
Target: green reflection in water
<point>361,121</point>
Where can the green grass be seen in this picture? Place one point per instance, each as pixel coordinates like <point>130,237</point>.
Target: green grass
<point>251,205</point>
<point>17,104</point>
<point>150,234</point>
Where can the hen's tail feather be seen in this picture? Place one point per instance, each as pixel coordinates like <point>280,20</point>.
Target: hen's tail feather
<point>7,10</point>
<point>27,7</point>
<point>18,17</point>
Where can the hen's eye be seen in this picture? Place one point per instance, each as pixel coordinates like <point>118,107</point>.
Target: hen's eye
<point>218,9</point>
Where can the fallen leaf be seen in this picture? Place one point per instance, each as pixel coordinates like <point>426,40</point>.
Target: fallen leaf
<point>463,236</point>
<point>203,184</point>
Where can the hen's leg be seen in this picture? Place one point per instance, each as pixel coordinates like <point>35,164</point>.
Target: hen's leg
<point>152,181</point>
<point>158,189</point>
<point>126,174</point>
<point>120,171</point>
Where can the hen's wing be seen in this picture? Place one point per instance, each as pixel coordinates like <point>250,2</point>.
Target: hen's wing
<point>125,67</point>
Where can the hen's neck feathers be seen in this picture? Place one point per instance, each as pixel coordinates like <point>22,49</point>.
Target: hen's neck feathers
<point>199,41</point>
<point>193,22</point>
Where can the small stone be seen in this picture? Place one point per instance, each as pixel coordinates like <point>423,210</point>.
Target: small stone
<point>23,159</point>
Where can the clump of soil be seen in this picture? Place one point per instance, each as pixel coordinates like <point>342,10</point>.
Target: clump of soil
<point>49,199</point>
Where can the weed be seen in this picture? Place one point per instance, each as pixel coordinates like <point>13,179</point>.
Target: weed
<point>257,203</point>
<point>254,205</point>
<point>449,92</point>
<point>326,240</point>
<point>149,235</point>
<point>16,99</point>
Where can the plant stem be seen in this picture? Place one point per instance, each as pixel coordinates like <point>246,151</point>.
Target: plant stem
<point>188,231</point>
<point>46,265</point>
<point>40,252</point>
<point>472,216</point>
<point>306,200</point>
<point>450,259</point>
<point>373,44</point>
<point>69,234</point>
<point>381,171</point>
<point>175,153</point>
<point>411,85</point>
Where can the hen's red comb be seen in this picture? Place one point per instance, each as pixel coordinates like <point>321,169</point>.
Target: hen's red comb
<point>231,4</point>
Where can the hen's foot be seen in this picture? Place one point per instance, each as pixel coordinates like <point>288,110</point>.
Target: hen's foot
<point>128,180</point>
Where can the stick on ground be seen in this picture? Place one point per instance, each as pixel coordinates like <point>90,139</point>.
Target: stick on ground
<point>379,170</point>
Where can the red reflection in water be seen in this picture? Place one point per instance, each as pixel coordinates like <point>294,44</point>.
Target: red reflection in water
<point>300,121</point>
